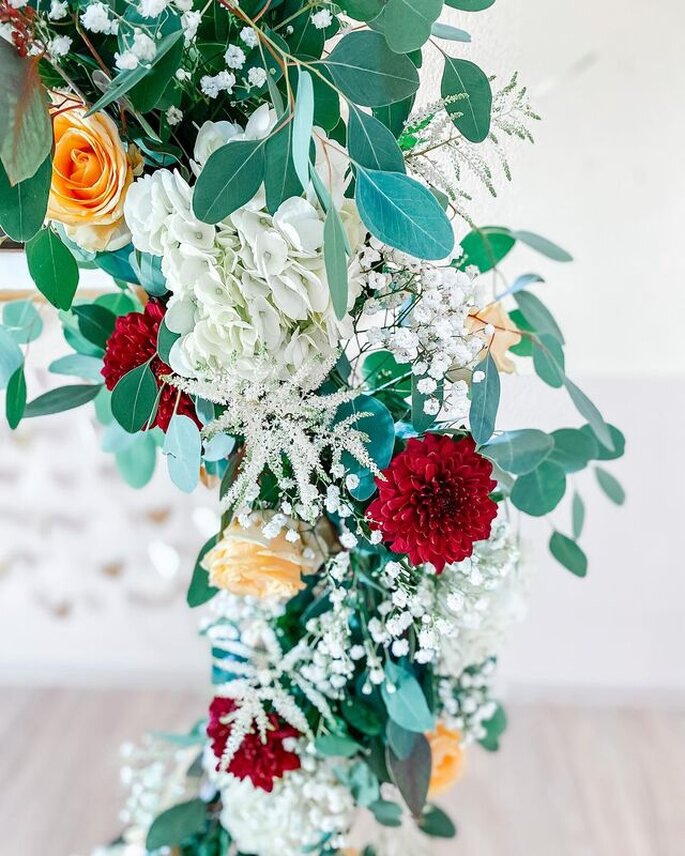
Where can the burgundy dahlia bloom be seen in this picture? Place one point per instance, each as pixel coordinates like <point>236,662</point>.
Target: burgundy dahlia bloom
<point>261,762</point>
<point>435,501</point>
<point>134,342</point>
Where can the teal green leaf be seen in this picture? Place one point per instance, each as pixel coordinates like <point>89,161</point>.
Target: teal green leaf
<point>11,357</point>
<point>23,206</point>
<point>230,178</point>
<point>78,365</point>
<point>404,214</point>
<point>148,271</point>
<point>136,462</point>
<point>337,745</point>
<point>611,486</point>
<point>368,73</point>
<point>494,729</point>
<point>436,823</point>
<point>394,116</point>
<point>407,24</point>
<point>22,321</point>
<point>577,516</point>
<point>407,705</point>
<point>15,399</point>
<point>485,248</point>
<point>165,341</point>
<point>470,115</point>
<point>452,34</point>
<point>280,178</point>
<point>183,450</point>
<point>61,399</point>
<point>519,452</point>
<point>386,813</point>
<point>538,315</point>
<point>362,10</point>
<point>335,259</point>
<point>134,398</point>
<point>219,447</point>
<point>303,124</point>
<point>470,5</point>
<point>380,428</point>
<point>568,554</point>
<point>573,449</point>
<point>400,740</point>
<point>618,444</point>
<point>485,397</point>
<point>412,775</point>
<point>539,492</point>
<point>200,591</point>
<point>543,246</point>
<point>590,412</point>
<point>95,323</point>
<point>548,360</point>
<point>176,824</point>
<point>380,368</point>
<point>371,144</point>
<point>52,268</point>
<point>118,302</point>
<point>25,126</point>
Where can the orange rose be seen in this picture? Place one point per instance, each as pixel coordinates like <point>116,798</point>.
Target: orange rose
<point>91,173</point>
<point>505,336</point>
<point>247,562</point>
<point>448,759</point>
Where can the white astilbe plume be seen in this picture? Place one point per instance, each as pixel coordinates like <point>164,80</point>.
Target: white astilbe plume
<point>283,422</point>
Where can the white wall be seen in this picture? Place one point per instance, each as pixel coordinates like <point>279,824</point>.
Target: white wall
<point>606,180</point>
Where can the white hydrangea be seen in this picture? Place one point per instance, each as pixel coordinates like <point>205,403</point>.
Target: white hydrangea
<point>250,295</point>
<point>306,807</point>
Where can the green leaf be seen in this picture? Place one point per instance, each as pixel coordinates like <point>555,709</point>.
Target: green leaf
<point>400,740</point>
<point>230,178</point>
<point>610,485</point>
<point>386,813</point>
<point>11,357</point>
<point>494,729</point>
<point>15,400</point>
<point>519,452</point>
<point>61,399</point>
<point>404,214</point>
<point>412,775</point>
<point>378,425</point>
<point>23,206</point>
<point>407,705</point>
<point>436,823</point>
<point>588,411</point>
<point>577,515</point>
<point>337,745</point>
<point>362,10</point>
<point>200,591</point>
<point>147,269</point>
<point>134,398</point>
<point>126,80</point>
<point>22,321</point>
<point>280,178</point>
<point>568,554</point>
<point>485,396</point>
<point>147,94</point>
<point>78,365</point>
<point>165,341</point>
<point>183,448</point>
<point>407,24</point>
<point>539,492</point>
<point>543,246</point>
<point>176,824</point>
<point>618,444</point>
<point>303,124</point>
<point>95,323</point>
<point>380,368</point>
<point>393,116</point>
<point>573,449</point>
<point>485,248</point>
<point>368,73</point>
<point>136,462</point>
<point>25,126</point>
<point>118,302</point>
<point>371,144</point>
<point>452,34</point>
<point>470,115</point>
<point>362,717</point>
<point>470,5</point>
<point>538,315</point>
<point>52,268</point>
<point>548,360</point>
<point>335,259</point>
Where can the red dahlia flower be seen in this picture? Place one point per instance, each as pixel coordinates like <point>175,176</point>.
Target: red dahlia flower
<point>435,501</point>
<point>134,342</point>
<point>262,762</point>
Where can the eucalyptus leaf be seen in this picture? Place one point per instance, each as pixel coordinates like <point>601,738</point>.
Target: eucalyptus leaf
<point>61,399</point>
<point>485,397</point>
<point>590,412</point>
<point>22,321</point>
<point>543,246</point>
<point>387,813</point>
<point>486,247</point>
<point>471,114</point>
<point>618,443</point>
<point>176,824</point>
<point>436,823</point>
<point>452,34</point>
<point>15,398</point>
<point>53,268</point>
<point>470,5</point>
<point>371,144</point>
<point>136,462</point>
<point>134,398</point>
<point>407,24</point>
<point>183,450</point>
<point>611,486</point>
<point>548,360</point>
<point>568,554</point>
<point>200,590</point>
<point>229,179</point>
<point>303,124</point>
<point>11,357</point>
<point>95,323</point>
<point>337,745</point>
<point>539,492</point>
<point>573,449</point>
<point>519,452</point>
<point>412,775</point>
<point>378,425</point>
<point>280,177</point>
<point>538,315</point>
<point>78,365</point>
<point>406,704</point>
<point>335,259</point>
<point>23,206</point>
<point>578,515</point>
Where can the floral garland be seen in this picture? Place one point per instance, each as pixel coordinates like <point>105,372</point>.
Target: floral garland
<point>302,318</point>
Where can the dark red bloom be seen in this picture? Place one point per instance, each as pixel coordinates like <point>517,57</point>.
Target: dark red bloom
<point>435,501</point>
<point>134,342</point>
<point>261,762</point>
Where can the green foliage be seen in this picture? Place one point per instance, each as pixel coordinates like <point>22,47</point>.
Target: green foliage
<point>337,745</point>
<point>183,450</point>
<point>568,553</point>
<point>485,248</point>
<point>380,428</point>
<point>577,515</point>
<point>494,729</point>
<point>335,258</point>
<point>519,452</point>
<point>368,73</point>
<point>134,398</point>
<point>470,5</point>
<point>165,341</point>
<point>540,491</point>
<point>618,444</point>
<point>421,420</point>
<point>573,449</point>
<point>543,246</point>
<point>176,824</point>
<point>436,823</point>
<point>407,705</point>
<point>371,144</point>
<point>303,124</point>
<point>22,321</point>
<point>25,126</point>
<point>404,214</point>
<point>412,775</point>
<point>611,486</point>
<point>15,399</point>
<point>23,206</point>
<point>406,24</point>
<point>485,397</point>
<point>60,399</point>
<point>53,268</point>
<point>200,591</point>
<point>452,34</point>
<point>280,177</point>
<point>78,365</point>
<point>538,316</point>
<point>95,323</point>
<point>137,460</point>
<point>230,178</point>
<point>386,813</point>
<point>588,410</point>
<point>11,357</point>
<point>470,114</point>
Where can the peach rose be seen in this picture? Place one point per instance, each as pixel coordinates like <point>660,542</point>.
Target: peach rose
<point>448,759</point>
<point>247,562</point>
<point>506,334</point>
<point>91,172</point>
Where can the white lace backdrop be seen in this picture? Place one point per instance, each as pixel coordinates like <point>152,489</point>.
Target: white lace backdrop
<point>92,574</point>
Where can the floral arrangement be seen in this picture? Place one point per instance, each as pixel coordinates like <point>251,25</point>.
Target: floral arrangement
<point>305,318</point>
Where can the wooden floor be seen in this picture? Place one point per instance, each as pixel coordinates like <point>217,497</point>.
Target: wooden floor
<point>568,781</point>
